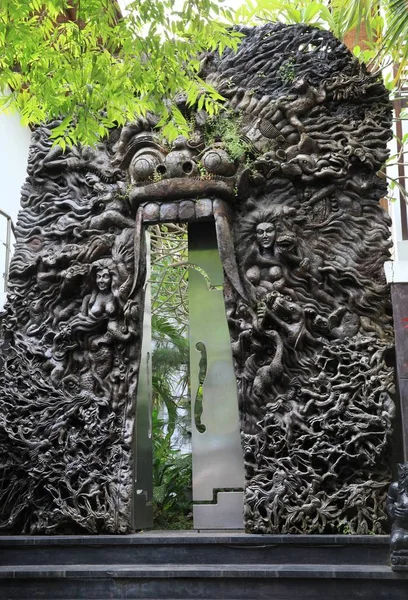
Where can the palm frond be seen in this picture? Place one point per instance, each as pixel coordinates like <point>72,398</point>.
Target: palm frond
<point>397,29</point>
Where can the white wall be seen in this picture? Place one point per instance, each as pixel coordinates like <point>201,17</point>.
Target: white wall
<point>397,270</point>
<point>394,204</point>
<point>14,144</point>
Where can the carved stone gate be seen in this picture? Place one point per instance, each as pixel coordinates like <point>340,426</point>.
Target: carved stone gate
<point>288,172</point>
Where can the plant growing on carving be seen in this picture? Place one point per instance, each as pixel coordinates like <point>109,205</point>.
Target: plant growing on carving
<point>225,128</point>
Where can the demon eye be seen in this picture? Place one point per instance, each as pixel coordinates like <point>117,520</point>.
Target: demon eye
<point>218,161</point>
<point>145,164</point>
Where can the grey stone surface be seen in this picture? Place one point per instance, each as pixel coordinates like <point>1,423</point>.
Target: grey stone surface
<point>151,212</point>
<point>192,547</point>
<point>187,210</point>
<point>169,212</point>
<point>189,565</point>
<point>204,208</point>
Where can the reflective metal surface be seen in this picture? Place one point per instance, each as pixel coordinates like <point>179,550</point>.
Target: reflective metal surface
<point>143,463</point>
<point>225,514</point>
<point>7,245</point>
<point>217,454</point>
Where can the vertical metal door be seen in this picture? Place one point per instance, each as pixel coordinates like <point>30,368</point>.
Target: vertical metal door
<point>218,466</point>
<point>143,454</point>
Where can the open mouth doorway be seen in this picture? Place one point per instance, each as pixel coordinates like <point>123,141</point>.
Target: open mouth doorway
<point>187,423</point>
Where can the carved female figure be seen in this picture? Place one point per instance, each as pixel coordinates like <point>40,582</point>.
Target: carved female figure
<point>92,330</point>
<point>266,278</point>
<point>101,304</point>
<point>99,317</point>
<point>262,263</point>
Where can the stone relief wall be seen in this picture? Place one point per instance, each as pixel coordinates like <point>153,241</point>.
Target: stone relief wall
<point>71,346</point>
<point>288,172</point>
<point>310,343</point>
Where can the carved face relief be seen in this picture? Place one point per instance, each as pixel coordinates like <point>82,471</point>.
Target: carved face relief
<point>265,235</point>
<point>103,279</point>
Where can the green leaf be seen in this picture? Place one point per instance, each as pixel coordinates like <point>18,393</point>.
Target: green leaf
<point>357,51</point>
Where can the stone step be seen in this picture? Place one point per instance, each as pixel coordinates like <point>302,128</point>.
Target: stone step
<point>202,582</point>
<point>193,570</point>
<point>178,548</point>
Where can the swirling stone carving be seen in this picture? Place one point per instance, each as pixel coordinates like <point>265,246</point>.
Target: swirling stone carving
<point>71,329</point>
<point>294,192</point>
<point>397,508</point>
<point>312,336</point>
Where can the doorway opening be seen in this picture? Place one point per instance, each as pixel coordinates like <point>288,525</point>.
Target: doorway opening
<point>187,393</point>
<point>170,381</point>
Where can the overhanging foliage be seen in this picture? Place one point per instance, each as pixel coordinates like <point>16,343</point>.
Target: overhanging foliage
<point>85,62</point>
